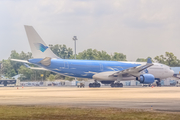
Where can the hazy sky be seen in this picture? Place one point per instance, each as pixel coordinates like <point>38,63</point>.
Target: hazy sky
<point>137,28</point>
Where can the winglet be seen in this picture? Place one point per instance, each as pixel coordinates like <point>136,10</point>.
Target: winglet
<point>149,60</point>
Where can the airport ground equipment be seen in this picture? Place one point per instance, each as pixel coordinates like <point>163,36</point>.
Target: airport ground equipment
<point>80,85</point>
<point>113,72</point>
<point>54,84</point>
<point>8,82</point>
<point>178,83</point>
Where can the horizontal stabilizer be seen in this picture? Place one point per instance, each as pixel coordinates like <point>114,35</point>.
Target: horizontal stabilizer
<point>17,60</point>
<point>35,68</point>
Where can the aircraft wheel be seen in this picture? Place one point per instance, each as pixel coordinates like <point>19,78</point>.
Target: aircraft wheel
<point>121,85</point>
<point>112,85</point>
<point>158,84</point>
<point>116,85</point>
<point>93,84</point>
<point>98,85</point>
<point>90,85</point>
<point>5,83</point>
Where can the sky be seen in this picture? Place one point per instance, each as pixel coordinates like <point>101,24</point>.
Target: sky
<point>136,28</point>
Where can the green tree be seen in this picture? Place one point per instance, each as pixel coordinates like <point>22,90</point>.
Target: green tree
<point>88,54</point>
<point>21,56</point>
<point>160,59</point>
<point>143,60</point>
<point>19,68</point>
<point>58,76</point>
<point>51,77</point>
<point>102,55</point>
<point>39,72</point>
<point>12,68</point>
<point>91,54</point>
<point>7,69</point>
<point>118,57</point>
<point>61,51</point>
<point>27,74</point>
<point>169,59</point>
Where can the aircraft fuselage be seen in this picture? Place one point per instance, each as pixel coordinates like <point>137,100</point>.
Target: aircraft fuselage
<point>88,68</point>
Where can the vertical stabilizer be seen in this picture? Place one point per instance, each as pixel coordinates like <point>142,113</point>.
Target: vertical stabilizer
<point>38,48</point>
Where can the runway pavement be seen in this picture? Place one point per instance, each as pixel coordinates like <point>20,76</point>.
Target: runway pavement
<point>159,98</point>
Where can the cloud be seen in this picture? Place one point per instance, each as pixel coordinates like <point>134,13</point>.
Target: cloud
<point>138,28</point>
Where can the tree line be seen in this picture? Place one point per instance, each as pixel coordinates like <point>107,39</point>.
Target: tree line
<point>168,59</point>
<point>10,68</point>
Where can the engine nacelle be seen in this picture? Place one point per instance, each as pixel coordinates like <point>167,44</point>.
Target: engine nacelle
<point>147,78</point>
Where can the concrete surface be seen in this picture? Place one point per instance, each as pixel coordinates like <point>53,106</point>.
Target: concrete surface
<point>159,98</point>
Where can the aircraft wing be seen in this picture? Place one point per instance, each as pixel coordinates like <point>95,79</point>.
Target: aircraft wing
<point>17,60</point>
<point>134,71</point>
<point>35,68</point>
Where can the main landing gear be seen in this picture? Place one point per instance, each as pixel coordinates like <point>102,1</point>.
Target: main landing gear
<point>116,84</point>
<point>95,84</point>
<point>158,83</point>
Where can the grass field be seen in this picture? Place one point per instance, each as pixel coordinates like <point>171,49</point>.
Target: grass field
<point>69,113</point>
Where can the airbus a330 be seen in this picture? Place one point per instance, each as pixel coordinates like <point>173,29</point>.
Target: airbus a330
<point>106,72</point>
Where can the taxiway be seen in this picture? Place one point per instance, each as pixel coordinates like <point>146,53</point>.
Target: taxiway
<point>157,98</point>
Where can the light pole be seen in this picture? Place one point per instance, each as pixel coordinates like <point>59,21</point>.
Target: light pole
<point>75,38</point>
<point>35,75</point>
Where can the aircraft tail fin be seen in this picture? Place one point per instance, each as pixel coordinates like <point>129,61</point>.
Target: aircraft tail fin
<point>38,47</point>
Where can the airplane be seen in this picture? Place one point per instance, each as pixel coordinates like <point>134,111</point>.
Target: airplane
<point>106,72</point>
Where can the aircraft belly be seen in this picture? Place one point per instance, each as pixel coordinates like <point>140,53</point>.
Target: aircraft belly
<point>156,73</point>
<point>104,76</point>
<point>128,78</point>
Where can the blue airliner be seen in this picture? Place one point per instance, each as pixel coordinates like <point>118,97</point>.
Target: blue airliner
<point>106,72</point>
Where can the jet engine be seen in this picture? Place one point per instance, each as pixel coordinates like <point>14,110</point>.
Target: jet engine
<point>147,78</point>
